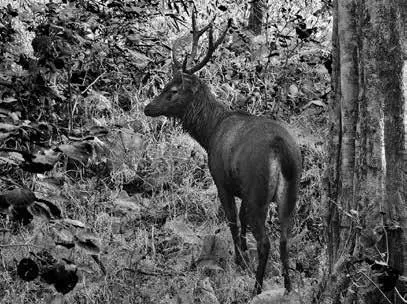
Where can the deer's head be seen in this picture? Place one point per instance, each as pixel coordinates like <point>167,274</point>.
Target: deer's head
<point>175,96</point>
<point>180,91</point>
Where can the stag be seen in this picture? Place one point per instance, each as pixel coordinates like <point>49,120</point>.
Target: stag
<point>253,158</point>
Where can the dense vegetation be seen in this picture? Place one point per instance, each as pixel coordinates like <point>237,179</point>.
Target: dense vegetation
<point>104,205</point>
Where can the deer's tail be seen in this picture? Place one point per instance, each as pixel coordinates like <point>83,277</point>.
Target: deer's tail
<point>290,161</point>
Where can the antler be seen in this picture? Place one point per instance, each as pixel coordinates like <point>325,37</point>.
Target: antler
<point>212,46</point>
<point>196,34</point>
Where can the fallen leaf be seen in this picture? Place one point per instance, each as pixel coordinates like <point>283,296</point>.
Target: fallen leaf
<point>74,223</point>
<point>88,242</point>
<point>126,202</point>
<point>180,228</point>
<point>80,151</point>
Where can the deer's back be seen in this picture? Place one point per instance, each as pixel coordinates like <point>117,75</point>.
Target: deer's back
<point>242,148</point>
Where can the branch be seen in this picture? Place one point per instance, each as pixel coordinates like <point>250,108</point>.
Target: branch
<point>93,82</point>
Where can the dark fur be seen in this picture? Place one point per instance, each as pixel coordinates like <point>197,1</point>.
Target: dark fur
<point>240,149</point>
<point>203,115</point>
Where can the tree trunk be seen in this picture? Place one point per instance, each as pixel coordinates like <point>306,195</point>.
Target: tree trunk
<point>333,148</point>
<point>365,179</point>
<point>256,16</point>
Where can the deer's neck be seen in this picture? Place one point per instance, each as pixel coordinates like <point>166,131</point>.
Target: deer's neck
<point>202,116</point>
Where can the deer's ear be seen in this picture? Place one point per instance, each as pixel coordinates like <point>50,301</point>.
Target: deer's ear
<point>195,85</point>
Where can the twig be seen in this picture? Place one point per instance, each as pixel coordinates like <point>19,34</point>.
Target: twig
<point>18,245</point>
<point>161,273</point>
<point>99,262</point>
<point>371,281</point>
<point>401,297</point>
<point>93,82</point>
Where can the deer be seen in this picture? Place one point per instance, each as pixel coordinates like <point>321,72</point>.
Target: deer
<point>250,157</point>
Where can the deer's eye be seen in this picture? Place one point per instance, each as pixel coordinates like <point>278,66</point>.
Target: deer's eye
<point>174,90</point>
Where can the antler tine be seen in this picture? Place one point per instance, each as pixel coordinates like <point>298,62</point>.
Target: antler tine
<point>184,63</point>
<point>176,65</point>
<point>196,34</point>
<point>211,47</point>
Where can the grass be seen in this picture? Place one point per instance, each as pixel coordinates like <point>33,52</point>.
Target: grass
<point>151,251</point>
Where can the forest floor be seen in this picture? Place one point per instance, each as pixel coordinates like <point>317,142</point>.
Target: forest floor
<point>163,239</point>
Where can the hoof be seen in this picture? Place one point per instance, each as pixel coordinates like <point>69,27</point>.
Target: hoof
<point>240,262</point>
<point>257,290</point>
<point>287,286</point>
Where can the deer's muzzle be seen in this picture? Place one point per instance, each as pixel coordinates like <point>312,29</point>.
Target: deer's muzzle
<point>152,111</point>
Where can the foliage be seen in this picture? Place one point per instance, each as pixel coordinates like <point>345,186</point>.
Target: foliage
<point>99,189</point>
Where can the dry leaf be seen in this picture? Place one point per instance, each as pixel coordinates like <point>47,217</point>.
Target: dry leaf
<point>98,101</point>
<point>316,102</point>
<point>80,151</point>
<point>130,140</point>
<point>126,202</point>
<point>209,263</point>
<point>180,228</point>
<point>293,91</point>
<point>276,296</point>
<point>205,292</point>
<point>139,59</point>
<point>74,223</point>
<point>64,235</point>
<point>89,242</point>
<point>57,299</point>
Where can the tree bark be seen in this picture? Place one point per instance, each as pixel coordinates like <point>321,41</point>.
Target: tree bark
<point>333,148</point>
<point>366,176</point>
<point>256,16</point>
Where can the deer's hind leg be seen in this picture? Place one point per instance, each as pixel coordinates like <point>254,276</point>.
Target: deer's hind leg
<point>229,206</point>
<point>286,196</point>
<point>243,225</point>
<point>258,218</point>
<point>257,205</point>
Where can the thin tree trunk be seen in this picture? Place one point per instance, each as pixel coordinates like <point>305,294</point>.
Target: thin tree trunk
<point>256,16</point>
<point>394,63</point>
<point>349,78</point>
<point>391,64</point>
<point>333,148</point>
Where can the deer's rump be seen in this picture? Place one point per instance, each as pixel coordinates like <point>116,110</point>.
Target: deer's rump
<point>243,148</point>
